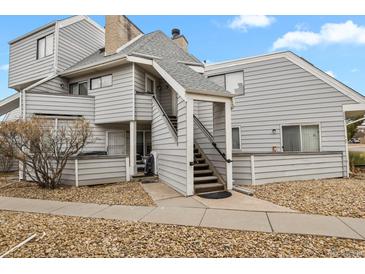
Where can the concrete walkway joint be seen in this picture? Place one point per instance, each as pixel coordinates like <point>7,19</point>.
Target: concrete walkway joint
<point>280,222</point>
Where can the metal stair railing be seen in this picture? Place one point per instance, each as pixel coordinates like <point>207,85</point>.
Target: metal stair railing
<point>211,138</point>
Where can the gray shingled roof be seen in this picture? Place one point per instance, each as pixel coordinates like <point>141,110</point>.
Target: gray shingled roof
<point>170,57</point>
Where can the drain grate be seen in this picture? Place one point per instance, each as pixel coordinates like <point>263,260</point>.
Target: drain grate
<point>216,195</point>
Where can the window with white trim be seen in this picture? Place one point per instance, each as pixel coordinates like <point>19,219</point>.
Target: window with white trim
<point>150,85</point>
<point>236,138</point>
<point>45,46</point>
<point>116,142</point>
<point>304,138</point>
<point>101,82</point>
<point>78,88</point>
<point>232,82</point>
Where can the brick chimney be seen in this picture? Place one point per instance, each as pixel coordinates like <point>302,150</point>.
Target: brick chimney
<point>118,31</point>
<point>179,39</point>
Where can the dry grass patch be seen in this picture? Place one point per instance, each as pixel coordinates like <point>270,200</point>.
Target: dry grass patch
<point>123,193</point>
<point>339,197</point>
<point>88,237</point>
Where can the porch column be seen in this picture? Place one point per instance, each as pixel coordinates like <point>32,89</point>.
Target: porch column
<point>189,146</point>
<point>228,123</point>
<point>132,147</point>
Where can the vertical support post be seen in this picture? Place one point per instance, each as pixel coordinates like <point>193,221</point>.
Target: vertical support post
<point>127,171</point>
<point>189,146</point>
<point>76,172</point>
<point>228,127</point>
<point>347,161</point>
<point>253,175</point>
<point>132,147</point>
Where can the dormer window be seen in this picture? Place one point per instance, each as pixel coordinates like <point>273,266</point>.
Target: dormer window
<point>45,46</point>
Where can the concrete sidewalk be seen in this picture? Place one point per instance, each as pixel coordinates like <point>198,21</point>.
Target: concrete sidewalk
<point>202,215</point>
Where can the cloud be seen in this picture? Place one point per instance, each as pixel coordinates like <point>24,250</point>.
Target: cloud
<point>243,22</point>
<point>330,33</point>
<point>355,70</point>
<point>331,73</point>
<point>4,67</point>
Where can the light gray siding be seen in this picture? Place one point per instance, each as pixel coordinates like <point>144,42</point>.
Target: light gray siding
<point>39,103</point>
<point>242,173</point>
<point>203,110</point>
<point>172,153</point>
<point>143,107</point>
<point>270,168</point>
<point>114,103</point>
<point>55,85</point>
<point>139,79</point>
<point>77,41</point>
<point>23,63</point>
<point>94,170</point>
<point>280,92</point>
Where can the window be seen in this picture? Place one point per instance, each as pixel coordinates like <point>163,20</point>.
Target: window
<point>303,138</point>
<point>234,83</point>
<point>116,143</point>
<point>101,82</point>
<point>78,88</point>
<point>150,84</point>
<point>45,46</point>
<point>236,138</point>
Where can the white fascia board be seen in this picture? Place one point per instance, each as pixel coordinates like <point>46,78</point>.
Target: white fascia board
<point>9,99</point>
<point>210,98</point>
<point>170,80</point>
<point>8,104</point>
<point>198,69</point>
<point>353,107</point>
<point>139,60</point>
<point>243,61</point>
<point>74,19</point>
<point>98,65</point>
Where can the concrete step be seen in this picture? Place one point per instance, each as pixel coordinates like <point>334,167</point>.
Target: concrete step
<point>202,188</point>
<point>205,179</point>
<point>203,172</point>
<point>201,166</point>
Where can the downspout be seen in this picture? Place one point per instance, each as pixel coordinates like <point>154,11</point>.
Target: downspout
<point>24,104</point>
<point>56,46</point>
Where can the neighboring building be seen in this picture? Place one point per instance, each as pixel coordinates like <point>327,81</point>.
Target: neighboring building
<point>138,92</point>
<point>146,92</point>
<point>288,119</point>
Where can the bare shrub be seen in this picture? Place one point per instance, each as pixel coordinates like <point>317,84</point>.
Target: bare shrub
<point>43,148</point>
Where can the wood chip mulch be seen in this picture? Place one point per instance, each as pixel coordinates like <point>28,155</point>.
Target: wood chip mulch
<point>338,197</point>
<point>89,237</point>
<point>123,193</point>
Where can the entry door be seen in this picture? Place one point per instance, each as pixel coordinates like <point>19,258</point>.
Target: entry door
<point>116,143</point>
<point>143,143</point>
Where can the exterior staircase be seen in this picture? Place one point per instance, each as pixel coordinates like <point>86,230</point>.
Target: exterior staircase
<point>205,179</point>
